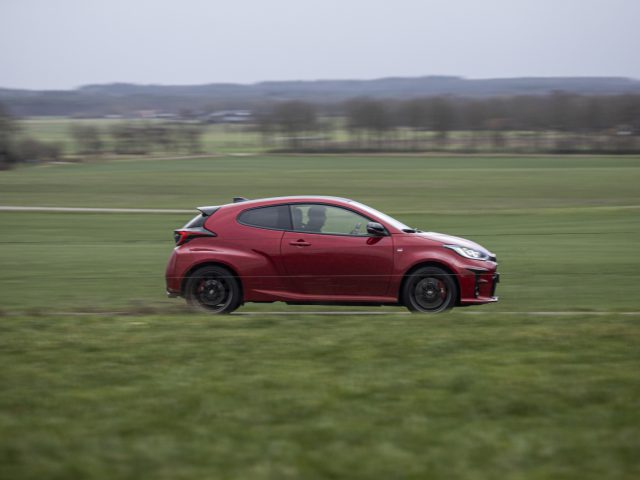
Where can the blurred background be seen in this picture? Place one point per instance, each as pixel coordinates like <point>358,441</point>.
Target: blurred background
<point>448,116</point>
<point>515,124</point>
<point>82,80</point>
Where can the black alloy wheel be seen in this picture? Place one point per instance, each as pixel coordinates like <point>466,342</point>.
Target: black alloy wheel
<point>213,289</point>
<point>429,290</point>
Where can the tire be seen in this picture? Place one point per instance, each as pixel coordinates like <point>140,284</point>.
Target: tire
<point>429,290</point>
<point>214,290</point>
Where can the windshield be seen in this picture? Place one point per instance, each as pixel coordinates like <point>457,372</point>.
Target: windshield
<point>382,216</point>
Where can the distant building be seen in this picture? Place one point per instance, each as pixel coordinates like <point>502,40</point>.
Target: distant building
<point>229,116</point>
<point>147,113</point>
<point>151,114</point>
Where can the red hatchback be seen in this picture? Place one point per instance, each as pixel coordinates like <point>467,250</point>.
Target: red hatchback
<point>322,250</point>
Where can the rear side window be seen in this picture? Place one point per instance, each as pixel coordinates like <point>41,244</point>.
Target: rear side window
<point>195,222</point>
<point>274,218</point>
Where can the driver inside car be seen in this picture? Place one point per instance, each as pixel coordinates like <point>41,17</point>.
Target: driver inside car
<point>317,215</point>
<point>296,216</point>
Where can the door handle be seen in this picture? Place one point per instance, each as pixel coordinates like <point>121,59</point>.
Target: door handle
<point>299,243</point>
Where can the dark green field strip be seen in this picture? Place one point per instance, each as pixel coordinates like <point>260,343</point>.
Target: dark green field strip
<point>394,184</point>
<point>320,397</point>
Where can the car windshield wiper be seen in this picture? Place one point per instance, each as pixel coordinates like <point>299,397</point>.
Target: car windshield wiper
<point>411,230</point>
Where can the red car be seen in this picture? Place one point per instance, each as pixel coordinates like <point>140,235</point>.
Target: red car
<point>322,250</point>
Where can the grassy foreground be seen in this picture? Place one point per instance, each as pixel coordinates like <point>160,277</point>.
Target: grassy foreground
<point>452,396</point>
<point>477,393</point>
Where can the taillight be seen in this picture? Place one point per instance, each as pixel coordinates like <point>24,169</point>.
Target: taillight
<point>184,235</point>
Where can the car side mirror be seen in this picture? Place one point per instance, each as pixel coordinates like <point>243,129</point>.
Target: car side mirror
<point>375,228</point>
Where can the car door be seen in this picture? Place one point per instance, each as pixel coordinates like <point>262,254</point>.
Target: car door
<point>329,253</point>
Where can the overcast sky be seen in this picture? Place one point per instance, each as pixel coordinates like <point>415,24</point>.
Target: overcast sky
<point>67,43</point>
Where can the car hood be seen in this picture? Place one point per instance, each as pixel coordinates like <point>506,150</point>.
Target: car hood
<point>451,240</point>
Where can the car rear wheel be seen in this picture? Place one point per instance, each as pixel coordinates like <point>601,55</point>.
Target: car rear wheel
<point>429,290</point>
<point>213,289</point>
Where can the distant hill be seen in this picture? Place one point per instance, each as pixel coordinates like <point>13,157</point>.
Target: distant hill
<point>126,99</point>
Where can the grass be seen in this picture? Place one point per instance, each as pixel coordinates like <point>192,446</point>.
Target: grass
<point>399,185</point>
<point>112,262</point>
<point>564,228</point>
<point>477,393</point>
<point>320,397</point>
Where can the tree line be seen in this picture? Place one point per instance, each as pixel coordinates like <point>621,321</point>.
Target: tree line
<point>138,138</point>
<point>16,148</point>
<point>555,123</point>
<point>127,138</point>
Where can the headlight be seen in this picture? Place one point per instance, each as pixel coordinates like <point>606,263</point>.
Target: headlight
<point>467,252</point>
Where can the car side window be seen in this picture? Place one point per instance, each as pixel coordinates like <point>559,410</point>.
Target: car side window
<point>319,218</point>
<point>274,218</point>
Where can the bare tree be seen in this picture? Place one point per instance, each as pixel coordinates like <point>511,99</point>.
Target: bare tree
<point>370,116</point>
<point>442,118</point>
<point>88,139</point>
<point>8,130</point>
<point>293,118</point>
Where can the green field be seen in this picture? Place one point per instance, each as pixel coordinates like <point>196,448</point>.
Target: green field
<point>499,391</point>
<point>215,138</point>
<point>244,139</point>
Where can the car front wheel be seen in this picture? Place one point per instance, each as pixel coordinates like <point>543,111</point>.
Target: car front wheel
<point>429,290</point>
<point>213,289</point>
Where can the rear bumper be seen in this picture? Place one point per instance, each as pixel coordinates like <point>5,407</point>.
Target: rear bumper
<point>172,281</point>
<point>172,294</point>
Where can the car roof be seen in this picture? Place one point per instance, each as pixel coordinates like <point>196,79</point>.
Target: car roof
<point>295,198</point>
<point>274,200</point>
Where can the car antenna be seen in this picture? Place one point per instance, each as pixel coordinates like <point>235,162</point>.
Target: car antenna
<point>239,199</point>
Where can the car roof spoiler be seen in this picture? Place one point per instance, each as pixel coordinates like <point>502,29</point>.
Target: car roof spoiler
<point>207,211</point>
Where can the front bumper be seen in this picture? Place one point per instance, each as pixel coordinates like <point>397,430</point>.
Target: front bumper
<point>479,285</point>
<point>495,282</point>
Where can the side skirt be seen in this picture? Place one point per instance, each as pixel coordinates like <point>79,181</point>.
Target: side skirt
<point>347,304</point>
